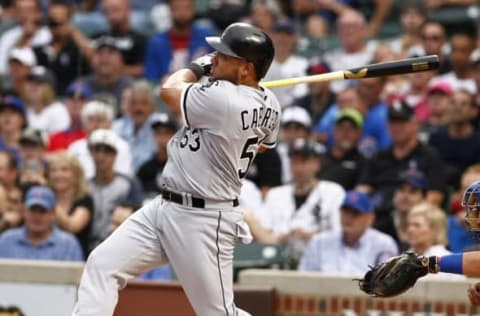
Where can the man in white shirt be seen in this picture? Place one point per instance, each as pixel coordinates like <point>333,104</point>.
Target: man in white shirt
<point>355,51</point>
<point>28,33</point>
<point>354,247</point>
<point>294,212</point>
<point>98,115</point>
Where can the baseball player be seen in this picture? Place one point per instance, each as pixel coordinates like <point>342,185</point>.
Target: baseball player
<point>195,223</point>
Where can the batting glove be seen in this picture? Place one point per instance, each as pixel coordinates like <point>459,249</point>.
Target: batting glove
<point>202,65</point>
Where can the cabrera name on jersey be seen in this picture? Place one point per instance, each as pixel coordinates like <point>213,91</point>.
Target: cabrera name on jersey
<point>225,124</point>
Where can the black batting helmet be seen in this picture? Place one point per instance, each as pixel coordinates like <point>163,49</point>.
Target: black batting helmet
<point>244,41</point>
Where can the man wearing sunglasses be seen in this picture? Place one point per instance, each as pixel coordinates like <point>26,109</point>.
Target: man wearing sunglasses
<point>69,51</point>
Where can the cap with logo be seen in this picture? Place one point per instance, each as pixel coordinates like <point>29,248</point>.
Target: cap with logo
<point>296,114</point>
<point>163,119</point>
<point>24,55</point>
<point>33,136</point>
<point>104,137</point>
<point>441,87</point>
<point>42,74</point>
<point>317,66</point>
<point>79,89</point>
<point>12,102</point>
<point>359,201</point>
<point>106,41</point>
<point>400,111</point>
<point>352,115</point>
<point>414,177</point>
<point>307,148</point>
<point>41,196</point>
<point>284,25</point>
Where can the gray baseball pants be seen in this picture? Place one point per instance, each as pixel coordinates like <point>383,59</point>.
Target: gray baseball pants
<point>199,244</point>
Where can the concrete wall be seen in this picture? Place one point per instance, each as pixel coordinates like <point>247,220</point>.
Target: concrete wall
<point>49,289</point>
<point>309,294</point>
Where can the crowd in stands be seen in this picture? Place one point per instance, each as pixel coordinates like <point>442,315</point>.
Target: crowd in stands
<point>364,169</point>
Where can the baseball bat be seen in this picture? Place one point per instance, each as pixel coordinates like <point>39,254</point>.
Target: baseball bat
<point>397,67</point>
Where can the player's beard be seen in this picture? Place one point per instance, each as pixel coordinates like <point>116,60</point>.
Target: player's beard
<point>232,77</point>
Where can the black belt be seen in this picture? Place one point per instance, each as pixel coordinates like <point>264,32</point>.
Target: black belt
<point>196,202</point>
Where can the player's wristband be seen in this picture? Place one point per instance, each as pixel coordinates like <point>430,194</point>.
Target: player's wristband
<point>196,69</point>
<point>451,263</point>
<point>433,262</point>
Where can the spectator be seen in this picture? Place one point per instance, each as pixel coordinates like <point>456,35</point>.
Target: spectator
<point>135,128</point>
<point>44,112</point>
<point>347,98</point>
<point>294,212</point>
<point>225,12</point>
<point>76,96</point>
<point>9,217</point>
<point>319,97</point>
<point>295,124</point>
<point>434,42</point>
<point>33,144</point>
<point>97,115</point>
<point>264,13</point>
<point>12,120</point>
<point>30,31</point>
<point>343,163</point>
<point>354,51</point>
<point>39,238</point>
<point>9,171</point>
<point>475,64</point>
<point>286,63</point>
<point>412,17</point>
<point>108,188</point>
<point>426,233</point>
<point>69,51</point>
<point>458,143</point>
<point>176,47</point>
<point>131,43</point>
<point>439,99</point>
<point>74,204</point>
<point>383,170</point>
<point>459,236</point>
<point>410,191</point>
<point>415,94</point>
<point>20,63</point>
<point>375,130</point>
<point>461,76</point>
<point>353,248</point>
<point>108,79</point>
<point>149,173</point>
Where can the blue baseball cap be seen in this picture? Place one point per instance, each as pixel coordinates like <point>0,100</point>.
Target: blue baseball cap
<point>415,178</point>
<point>79,89</point>
<point>42,196</point>
<point>284,25</point>
<point>12,102</point>
<point>358,201</point>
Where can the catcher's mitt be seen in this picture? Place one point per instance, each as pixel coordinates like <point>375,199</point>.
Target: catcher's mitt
<point>396,275</point>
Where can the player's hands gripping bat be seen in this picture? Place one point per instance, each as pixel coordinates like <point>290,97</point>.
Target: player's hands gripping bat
<point>397,274</point>
<point>202,65</point>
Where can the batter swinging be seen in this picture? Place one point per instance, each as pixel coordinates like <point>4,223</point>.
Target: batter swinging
<point>195,223</point>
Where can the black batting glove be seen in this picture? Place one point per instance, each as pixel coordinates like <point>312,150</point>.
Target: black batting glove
<point>202,65</point>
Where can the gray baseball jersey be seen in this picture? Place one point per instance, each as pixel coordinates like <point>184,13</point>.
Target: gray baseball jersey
<point>225,125</point>
<point>224,128</point>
